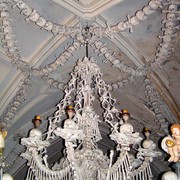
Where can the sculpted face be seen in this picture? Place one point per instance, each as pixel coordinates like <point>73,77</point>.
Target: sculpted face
<point>176,132</point>
<point>35,133</point>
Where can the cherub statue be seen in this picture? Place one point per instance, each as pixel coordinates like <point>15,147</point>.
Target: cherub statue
<point>3,134</point>
<point>171,144</point>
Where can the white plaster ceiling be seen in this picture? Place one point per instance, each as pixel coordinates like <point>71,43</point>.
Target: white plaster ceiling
<point>39,47</point>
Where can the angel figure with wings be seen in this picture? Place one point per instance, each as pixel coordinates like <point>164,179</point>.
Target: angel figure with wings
<point>171,144</point>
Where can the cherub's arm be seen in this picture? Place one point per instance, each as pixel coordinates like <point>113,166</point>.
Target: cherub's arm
<point>166,142</point>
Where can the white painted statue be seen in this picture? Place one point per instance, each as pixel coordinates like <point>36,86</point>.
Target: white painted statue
<point>125,136</point>
<point>70,131</point>
<point>35,137</point>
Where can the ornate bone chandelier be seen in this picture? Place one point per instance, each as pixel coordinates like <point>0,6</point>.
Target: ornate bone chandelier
<point>82,159</point>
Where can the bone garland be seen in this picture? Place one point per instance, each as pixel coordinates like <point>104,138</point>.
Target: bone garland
<point>62,58</point>
<point>16,103</point>
<point>123,82</point>
<point>32,15</point>
<point>153,104</point>
<point>8,40</point>
<point>110,56</point>
<point>165,48</point>
<point>13,52</point>
<point>130,22</point>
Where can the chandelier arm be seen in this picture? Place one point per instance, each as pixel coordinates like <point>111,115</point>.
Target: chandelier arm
<point>143,171</point>
<point>39,168</point>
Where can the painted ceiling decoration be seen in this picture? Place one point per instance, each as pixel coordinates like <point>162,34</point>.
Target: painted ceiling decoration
<point>106,37</point>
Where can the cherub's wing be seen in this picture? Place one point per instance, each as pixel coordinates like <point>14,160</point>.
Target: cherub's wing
<point>163,143</point>
<point>4,133</point>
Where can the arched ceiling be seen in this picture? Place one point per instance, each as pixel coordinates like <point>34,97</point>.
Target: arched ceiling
<point>132,42</point>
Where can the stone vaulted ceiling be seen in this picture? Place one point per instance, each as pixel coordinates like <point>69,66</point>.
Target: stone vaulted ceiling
<point>135,44</point>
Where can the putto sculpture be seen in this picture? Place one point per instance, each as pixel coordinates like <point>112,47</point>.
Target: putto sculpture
<point>171,144</point>
<point>83,160</point>
<point>3,134</point>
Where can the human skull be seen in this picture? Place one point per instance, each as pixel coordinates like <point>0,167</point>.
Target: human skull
<point>148,144</point>
<point>126,128</point>
<point>169,175</point>
<point>35,133</point>
<point>7,177</point>
<point>141,15</point>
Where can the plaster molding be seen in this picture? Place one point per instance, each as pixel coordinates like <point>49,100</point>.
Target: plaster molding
<point>10,91</point>
<point>4,57</point>
<point>16,103</point>
<point>51,44</point>
<point>81,9</point>
<point>14,155</point>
